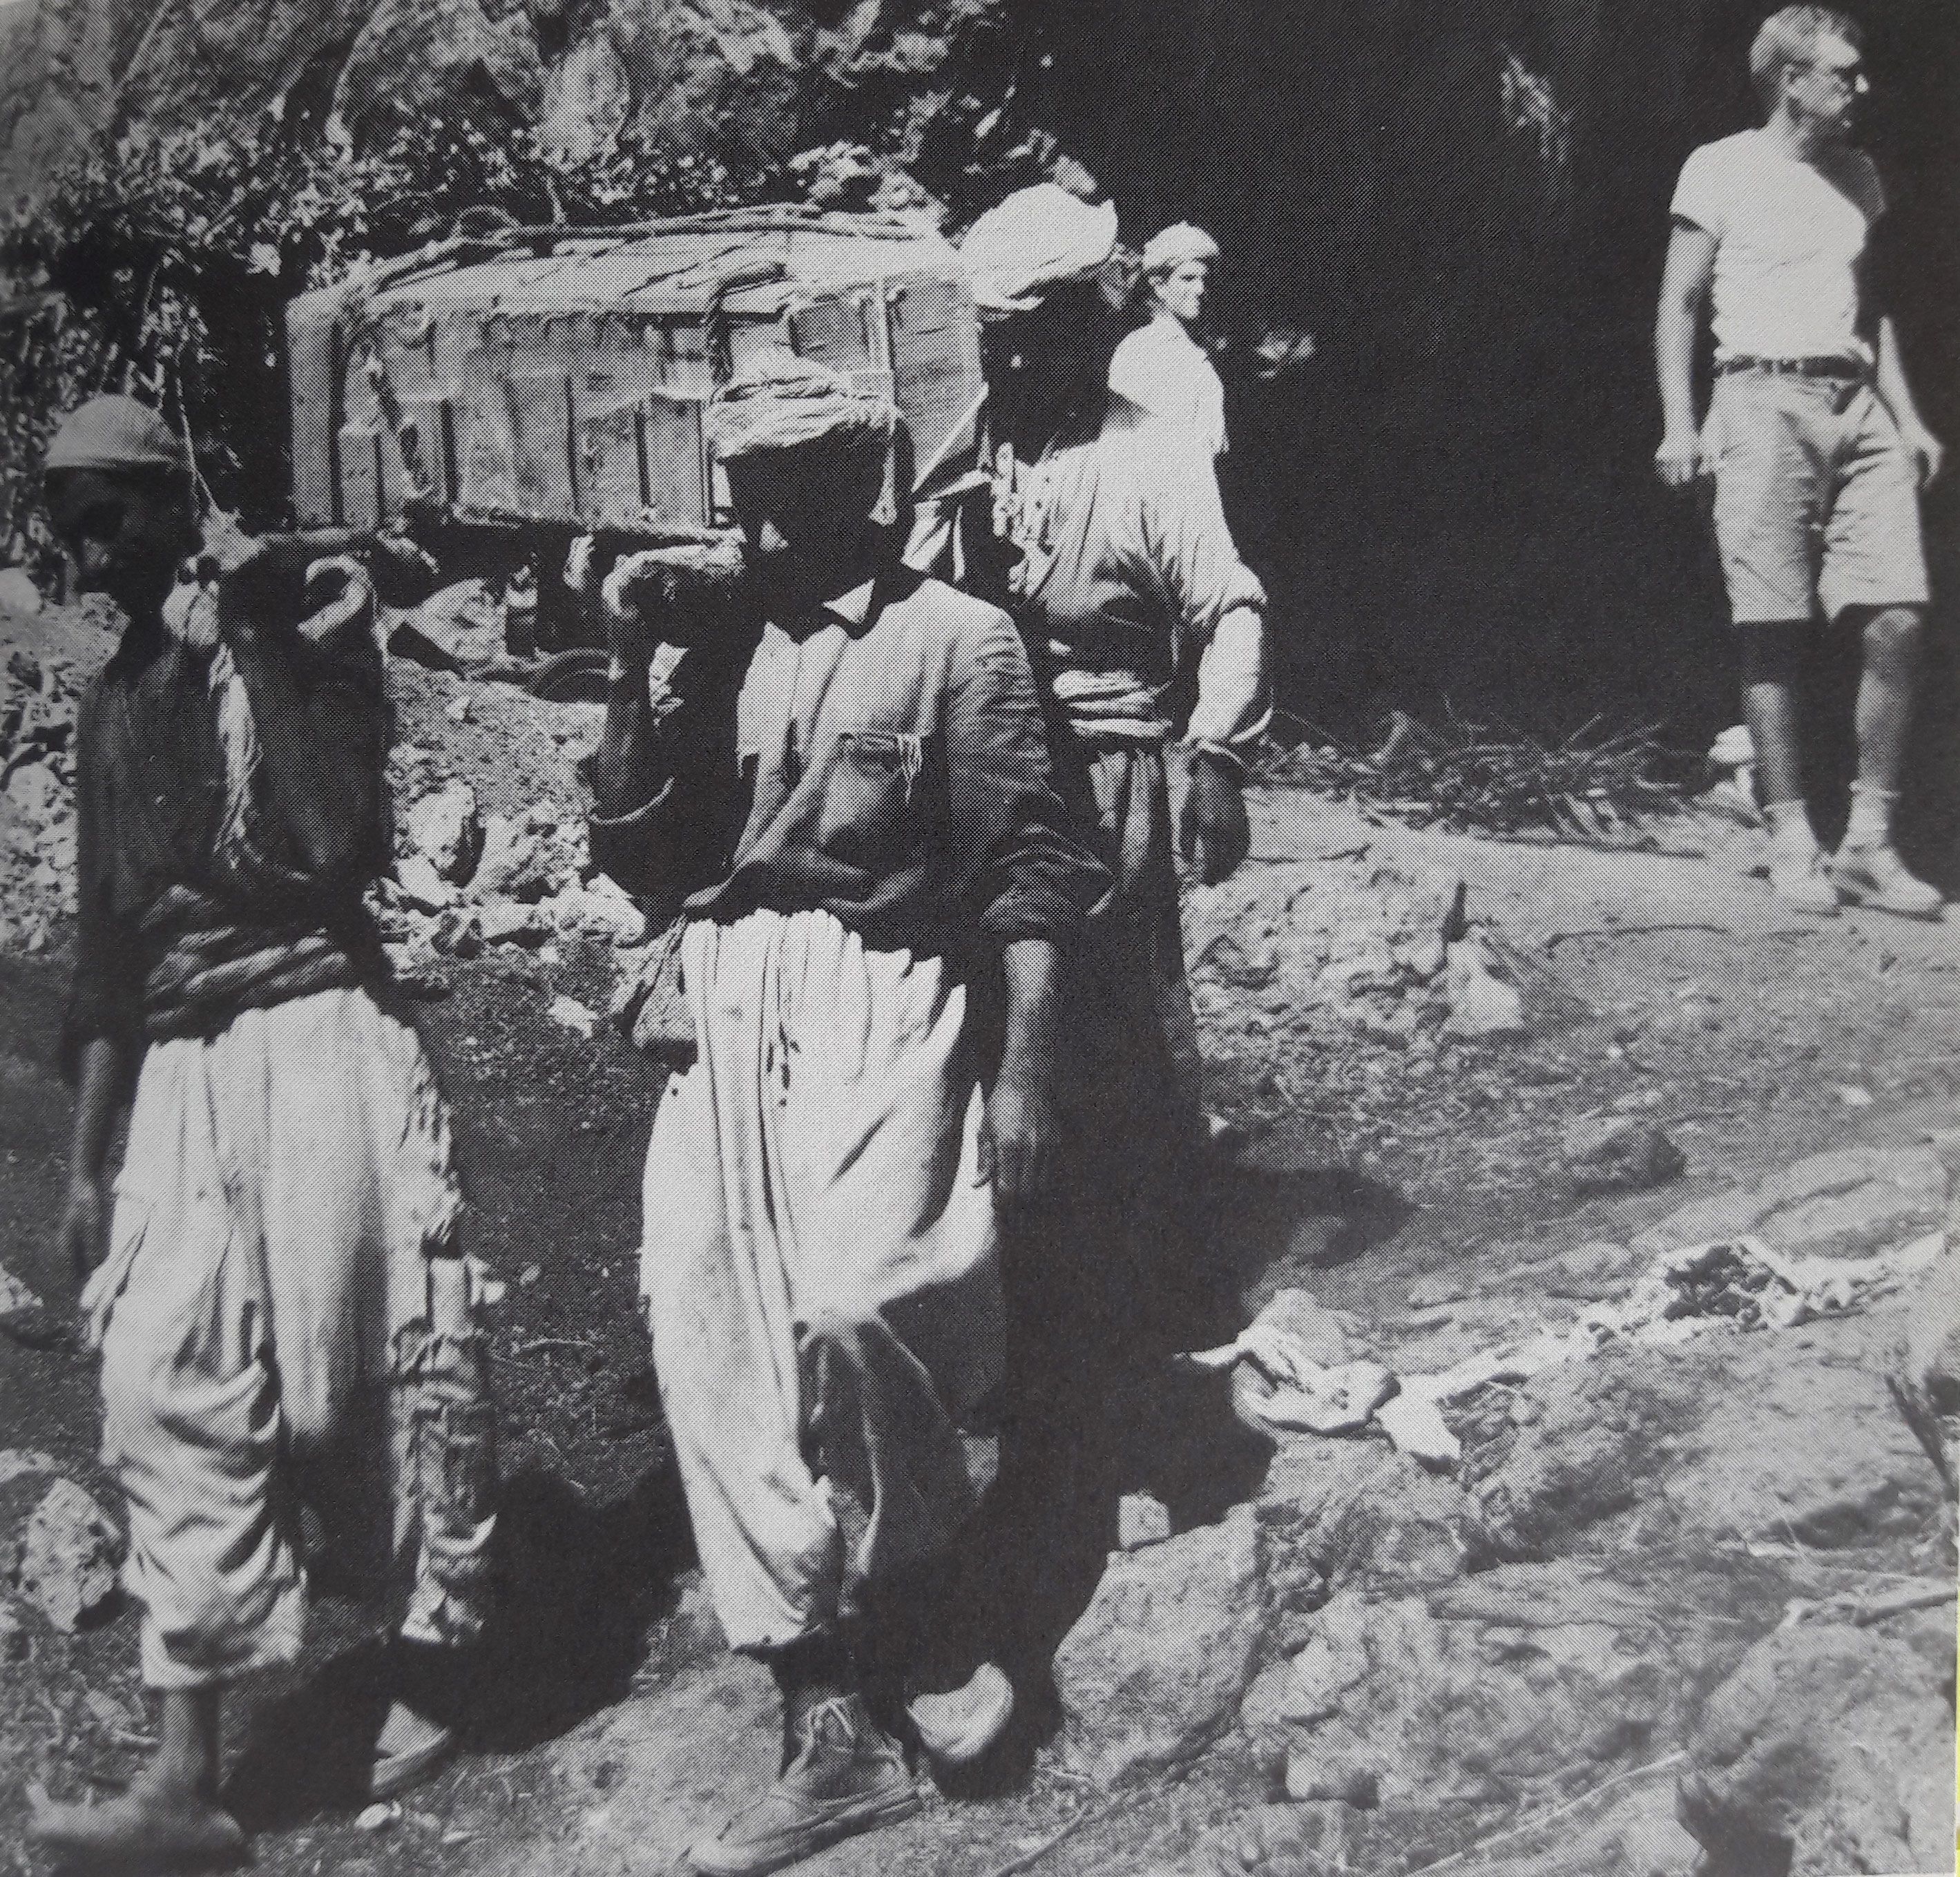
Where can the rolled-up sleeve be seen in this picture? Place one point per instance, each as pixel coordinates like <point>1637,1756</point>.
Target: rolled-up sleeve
<point>1016,871</point>
<point>1218,603</point>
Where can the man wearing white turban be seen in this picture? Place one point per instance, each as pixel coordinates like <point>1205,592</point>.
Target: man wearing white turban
<point>868,951</point>
<point>1161,370</point>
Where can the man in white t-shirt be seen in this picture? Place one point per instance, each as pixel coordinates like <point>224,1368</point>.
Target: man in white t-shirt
<point>1816,448</point>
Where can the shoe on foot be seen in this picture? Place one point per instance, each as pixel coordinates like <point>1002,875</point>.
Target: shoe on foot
<point>1800,882</point>
<point>845,1776</point>
<point>957,1727</point>
<point>1876,877</point>
<point>149,1827</point>
<point>411,1748</point>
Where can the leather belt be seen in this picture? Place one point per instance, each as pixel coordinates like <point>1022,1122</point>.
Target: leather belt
<point>1846,370</point>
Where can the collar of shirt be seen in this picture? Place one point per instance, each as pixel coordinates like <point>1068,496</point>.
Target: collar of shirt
<point>859,609</point>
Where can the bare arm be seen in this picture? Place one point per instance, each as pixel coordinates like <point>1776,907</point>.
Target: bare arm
<point>1926,451</point>
<point>104,1076</point>
<point>1018,1138</point>
<point>1684,282</point>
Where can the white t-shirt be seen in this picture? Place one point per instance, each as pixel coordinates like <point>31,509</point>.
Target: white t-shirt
<point>1789,236</point>
<point>1161,371</point>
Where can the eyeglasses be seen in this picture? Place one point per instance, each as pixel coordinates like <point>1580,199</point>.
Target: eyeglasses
<point>1846,77</point>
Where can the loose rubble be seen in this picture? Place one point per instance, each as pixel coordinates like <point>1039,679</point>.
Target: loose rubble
<point>38,694</point>
<point>68,1553</point>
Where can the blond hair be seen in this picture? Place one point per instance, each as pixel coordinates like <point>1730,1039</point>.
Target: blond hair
<point>1787,39</point>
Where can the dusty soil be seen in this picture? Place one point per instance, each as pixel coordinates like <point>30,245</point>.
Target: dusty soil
<point>1376,1153</point>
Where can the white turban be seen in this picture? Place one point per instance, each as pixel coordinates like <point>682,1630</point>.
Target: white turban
<point>1176,245</point>
<point>1037,240</point>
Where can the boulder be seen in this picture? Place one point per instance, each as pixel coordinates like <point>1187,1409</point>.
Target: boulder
<point>446,828</point>
<point>1629,1830</point>
<point>1426,1706</point>
<point>1829,1749</point>
<point>1155,1667</point>
<point>69,1551</point>
<point>1619,1154</point>
<point>1334,1514</point>
<point>1779,1438</point>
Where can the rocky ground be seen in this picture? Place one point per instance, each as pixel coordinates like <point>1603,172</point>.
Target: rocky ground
<point>1611,1559</point>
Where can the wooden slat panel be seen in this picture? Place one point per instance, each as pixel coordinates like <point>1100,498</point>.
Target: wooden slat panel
<point>313,360</point>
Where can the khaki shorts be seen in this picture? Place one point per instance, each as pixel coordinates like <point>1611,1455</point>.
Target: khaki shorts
<point>1816,499</point>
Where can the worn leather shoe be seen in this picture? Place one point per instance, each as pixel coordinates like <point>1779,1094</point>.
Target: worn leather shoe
<point>1876,877</point>
<point>845,1776</point>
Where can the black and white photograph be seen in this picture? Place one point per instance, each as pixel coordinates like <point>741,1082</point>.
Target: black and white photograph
<point>979,938</point>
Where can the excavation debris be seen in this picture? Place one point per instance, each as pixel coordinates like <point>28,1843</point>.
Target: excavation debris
<point>68,1552</point>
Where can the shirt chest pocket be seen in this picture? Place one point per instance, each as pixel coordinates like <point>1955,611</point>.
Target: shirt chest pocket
<point>875,806</point>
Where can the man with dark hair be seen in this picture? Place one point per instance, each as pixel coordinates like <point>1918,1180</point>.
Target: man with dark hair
<point>282,1312</point>
<point>868,960</point>
<point>1816,447</point>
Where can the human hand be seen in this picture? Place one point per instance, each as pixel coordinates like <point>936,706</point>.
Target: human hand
<point>1018,1136</point>
<point>84,1229</point>
<point>1211,823</point>
<point>1928,453</point>
<point>1681,458</point>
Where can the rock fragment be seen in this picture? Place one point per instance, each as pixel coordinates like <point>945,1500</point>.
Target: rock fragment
<point>1619,1154</point>
<point>69,1552</point>
<point>448,830</point>
<point>1141,1519</point>
<point>420,887</point>
<point>1155,1667</point>
<point>1480,1003</point>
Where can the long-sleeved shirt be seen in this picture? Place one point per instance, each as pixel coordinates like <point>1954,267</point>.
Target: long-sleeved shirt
<point>1127,566</point>
<point>894,772</point>
<point>179,929</point>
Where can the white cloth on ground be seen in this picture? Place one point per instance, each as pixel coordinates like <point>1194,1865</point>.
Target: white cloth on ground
<point>283,1321</point>
<point>820,1270</point>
